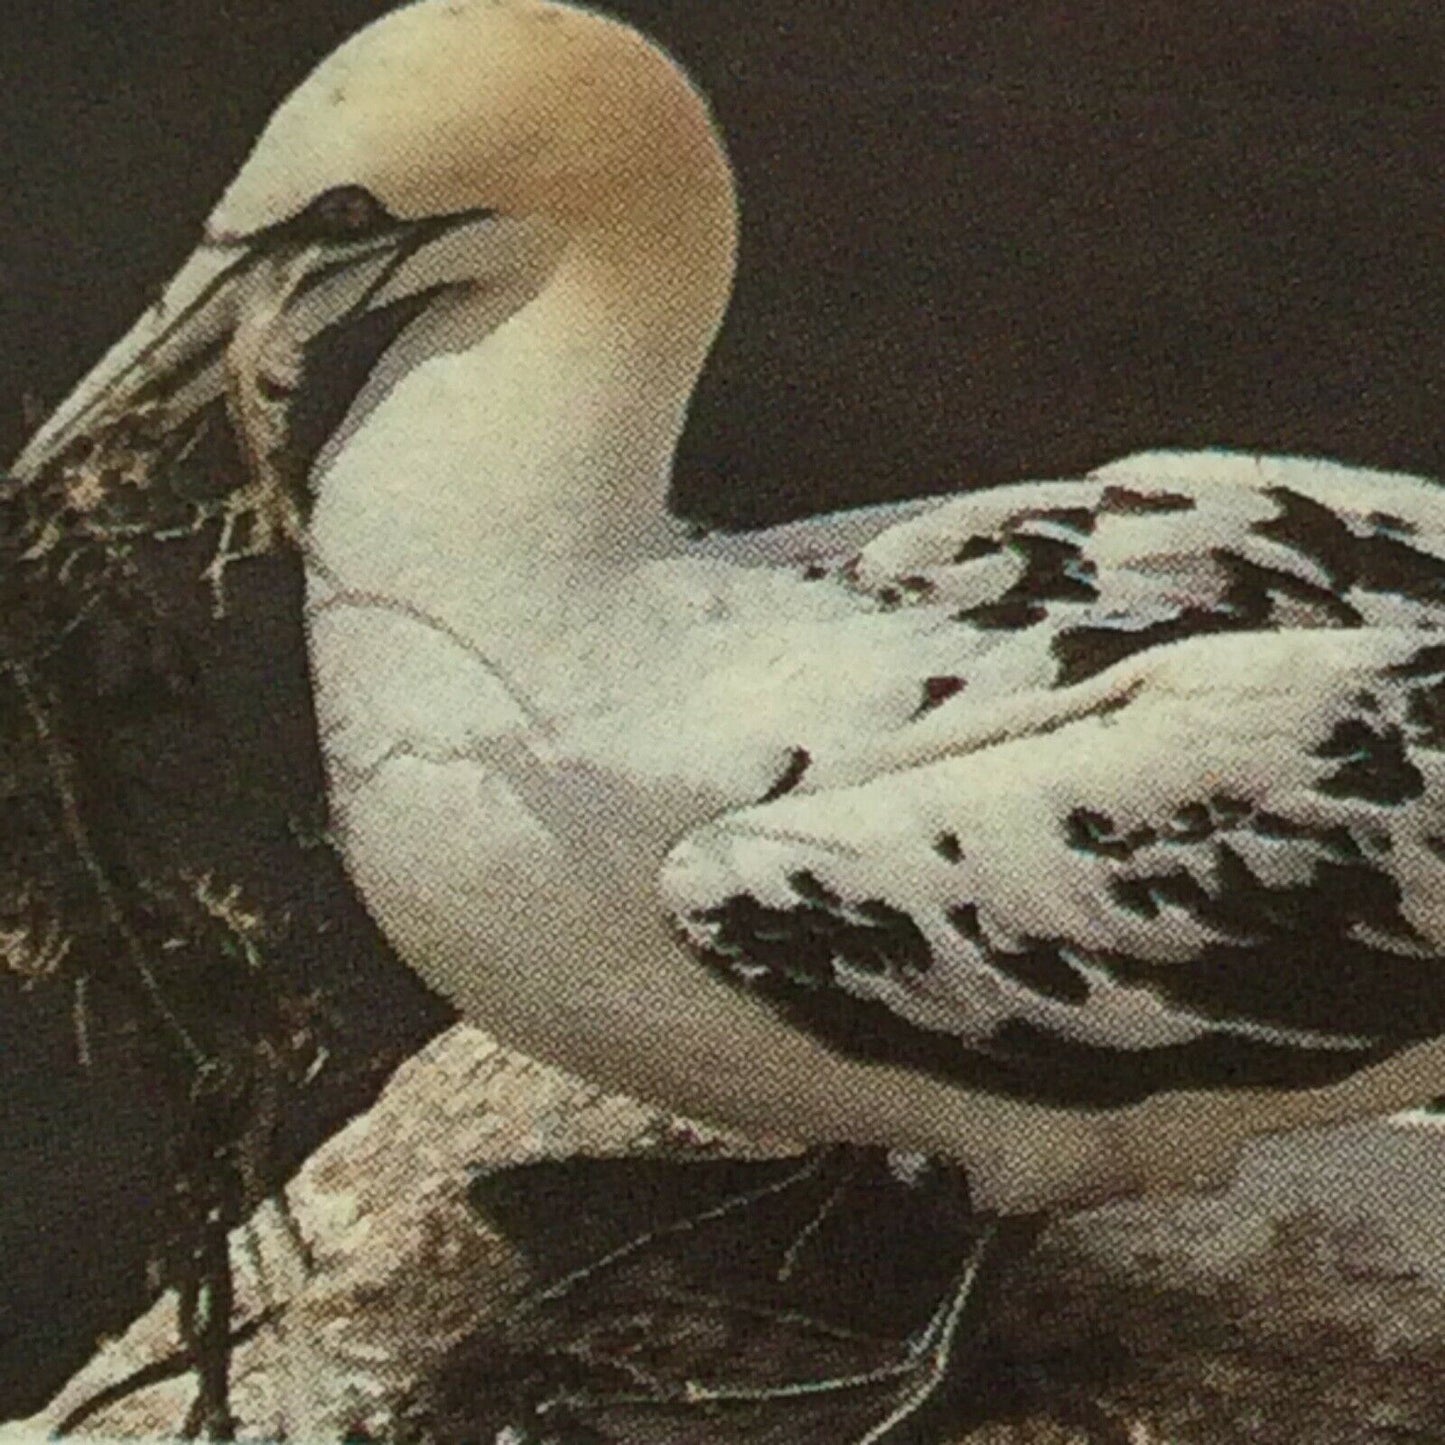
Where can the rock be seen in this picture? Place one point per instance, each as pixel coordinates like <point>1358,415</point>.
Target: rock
<point>1304,1304</point>
<point>401,1267</point>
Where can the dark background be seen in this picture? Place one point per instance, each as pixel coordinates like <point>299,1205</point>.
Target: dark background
<point>981,241</point>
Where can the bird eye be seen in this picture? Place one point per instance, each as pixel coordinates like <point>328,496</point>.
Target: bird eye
<point>344,213</point>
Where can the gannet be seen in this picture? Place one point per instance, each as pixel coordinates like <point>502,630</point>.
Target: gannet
<point>1076,831</point>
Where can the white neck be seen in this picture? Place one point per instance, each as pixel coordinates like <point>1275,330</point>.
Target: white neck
<point>491,482</point>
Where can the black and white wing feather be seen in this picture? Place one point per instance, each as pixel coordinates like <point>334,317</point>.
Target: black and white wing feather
<point>1216,865</point>
<point>1051,582</point>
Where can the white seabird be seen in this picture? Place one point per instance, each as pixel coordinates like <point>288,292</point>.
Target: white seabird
<point>1075,831</point>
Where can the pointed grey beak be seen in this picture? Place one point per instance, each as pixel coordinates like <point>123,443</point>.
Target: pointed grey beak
<point>249,315</point>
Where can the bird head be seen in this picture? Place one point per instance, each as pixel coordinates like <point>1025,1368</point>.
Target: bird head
<point>429,179</point>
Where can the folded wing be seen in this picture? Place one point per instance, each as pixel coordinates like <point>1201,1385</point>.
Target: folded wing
<point>1214,865</point>
<point>1051,582</point>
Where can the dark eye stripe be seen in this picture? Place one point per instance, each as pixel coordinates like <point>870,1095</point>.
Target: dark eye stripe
<point>346,216</point>
<point>344,213</point>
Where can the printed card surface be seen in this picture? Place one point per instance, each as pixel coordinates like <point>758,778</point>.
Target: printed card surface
<point>726,723</point>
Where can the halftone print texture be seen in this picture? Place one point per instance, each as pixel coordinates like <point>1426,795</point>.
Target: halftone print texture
<point>1023,835</point>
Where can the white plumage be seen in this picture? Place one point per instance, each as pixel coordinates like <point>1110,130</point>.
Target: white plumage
<point>1062,822</point>
<point>1075,830</point>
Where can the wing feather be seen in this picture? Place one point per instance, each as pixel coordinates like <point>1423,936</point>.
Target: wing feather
<point>1225,880</point>
<point>1144,552</point>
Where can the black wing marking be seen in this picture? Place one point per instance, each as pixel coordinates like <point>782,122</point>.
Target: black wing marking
<point>1161,548</point>
<point>1223,884</point>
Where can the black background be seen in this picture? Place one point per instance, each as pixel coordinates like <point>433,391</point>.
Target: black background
<point>981,241</point>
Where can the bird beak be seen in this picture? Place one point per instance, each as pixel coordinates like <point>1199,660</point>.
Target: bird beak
<point>240,329</point>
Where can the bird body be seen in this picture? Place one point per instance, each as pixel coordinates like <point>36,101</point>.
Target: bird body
<point>1076,831</point>
<point>622,761</point>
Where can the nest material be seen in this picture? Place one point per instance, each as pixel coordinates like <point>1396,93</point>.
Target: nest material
<point>115,561</point>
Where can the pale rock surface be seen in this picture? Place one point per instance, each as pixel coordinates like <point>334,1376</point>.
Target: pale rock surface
<point>1306,1303</point>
